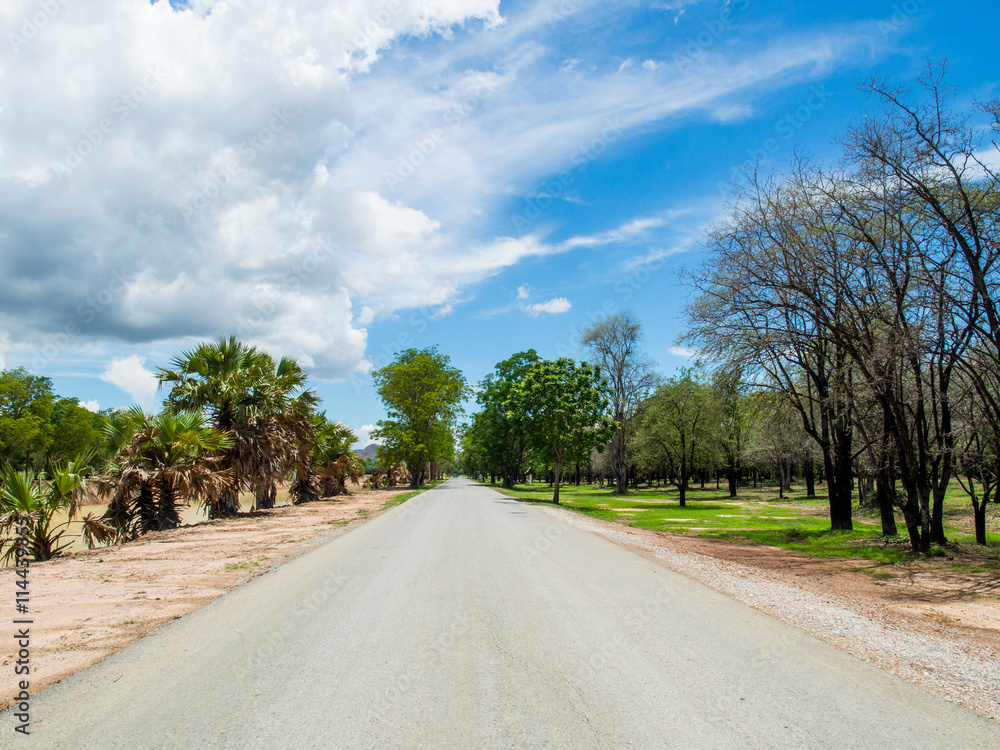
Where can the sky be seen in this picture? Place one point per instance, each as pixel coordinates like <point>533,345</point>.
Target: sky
<point>340,180</point>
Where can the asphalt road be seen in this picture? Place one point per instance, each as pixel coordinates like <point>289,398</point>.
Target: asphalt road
<point>462,619</point>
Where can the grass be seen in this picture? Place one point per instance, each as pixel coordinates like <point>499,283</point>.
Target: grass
<point>795,522</point>
<point>246,564</point>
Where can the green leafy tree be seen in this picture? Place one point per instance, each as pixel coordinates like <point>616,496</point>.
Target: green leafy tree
<point>501,436</point>
<point>422,394</point>
<point>26,403</point>
<point>76,431</point>
<point>564,409</point>
<point>680,426</point>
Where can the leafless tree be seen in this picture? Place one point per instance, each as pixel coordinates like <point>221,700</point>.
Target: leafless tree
<point>615,343</point>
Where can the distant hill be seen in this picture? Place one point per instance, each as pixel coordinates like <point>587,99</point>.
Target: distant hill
<point>368,452</point>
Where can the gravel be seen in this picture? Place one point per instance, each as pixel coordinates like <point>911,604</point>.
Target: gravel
<point>946,661</point>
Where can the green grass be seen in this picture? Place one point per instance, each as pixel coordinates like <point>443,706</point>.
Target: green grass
<point>759,516</point>
<point>246,565</point>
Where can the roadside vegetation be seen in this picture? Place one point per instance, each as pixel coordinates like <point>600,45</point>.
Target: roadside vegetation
<point>844,331</point>
<point>789,520</point>
<point>235,423</point>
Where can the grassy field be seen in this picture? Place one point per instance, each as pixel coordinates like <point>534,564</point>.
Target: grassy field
<point>795,522</point>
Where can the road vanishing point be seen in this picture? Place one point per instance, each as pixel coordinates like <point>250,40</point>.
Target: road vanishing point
<point>464,619</point>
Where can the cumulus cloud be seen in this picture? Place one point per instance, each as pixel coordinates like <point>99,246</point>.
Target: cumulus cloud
<point>554,306</point>
<point>129,374</point>
<point>91,405</point>
<point>364,433</point>
<point>176,172</point>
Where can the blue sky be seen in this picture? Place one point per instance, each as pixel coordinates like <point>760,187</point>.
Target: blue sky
<point>336,181</point>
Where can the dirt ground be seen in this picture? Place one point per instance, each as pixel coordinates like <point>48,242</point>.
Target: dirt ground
<point>89,604</point>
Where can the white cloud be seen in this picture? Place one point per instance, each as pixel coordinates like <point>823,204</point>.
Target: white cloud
<point>523,292</point>
<point>554,306</point>
<point>683,351</point>
<point>130,375</point>
<point>91,405</point>
<point>364,433</point>
<point>650,64</point>
<point>180,186</point>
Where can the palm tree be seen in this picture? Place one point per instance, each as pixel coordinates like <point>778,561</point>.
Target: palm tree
<point>250,397</point>
<point>160,463</point>
<point>25,504</point>
<point>326,462</point>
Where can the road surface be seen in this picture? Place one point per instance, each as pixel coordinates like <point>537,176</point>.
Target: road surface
<point>462,619</point>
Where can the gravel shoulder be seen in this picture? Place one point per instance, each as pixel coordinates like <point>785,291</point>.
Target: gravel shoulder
<point>940,632</point>
<point>89,604</point>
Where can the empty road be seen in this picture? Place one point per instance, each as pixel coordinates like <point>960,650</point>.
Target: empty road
<point>462,619</point>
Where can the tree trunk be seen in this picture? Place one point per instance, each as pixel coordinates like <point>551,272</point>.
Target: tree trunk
<point>265,496</point>
<point>809,471</point>
<point>168,518</point>
<point>555,492</point>
<point>885,496</point>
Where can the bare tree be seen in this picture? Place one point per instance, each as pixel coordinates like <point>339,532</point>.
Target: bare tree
<point>615,344</point>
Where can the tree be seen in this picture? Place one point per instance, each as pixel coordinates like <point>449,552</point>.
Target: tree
<point>252,398</point>
<point>161,462</point>
<point>23,503</point>
<point>500,436</point>
<point>730,388</point>
<point>564,408</point>
<point>422,394</point>
<point>76,431</point>
<point>615,344</point>
<point>26,402</point>
<point>326,462</point>
<point>680,425</point>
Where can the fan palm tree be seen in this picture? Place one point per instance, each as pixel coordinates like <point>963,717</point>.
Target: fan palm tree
<point>326,463</point>
<point>250,397</point>
<point>160,464</point>
<point>23,503</point>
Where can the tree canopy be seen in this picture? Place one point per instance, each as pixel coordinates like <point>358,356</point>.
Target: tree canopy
<point>422,394</point>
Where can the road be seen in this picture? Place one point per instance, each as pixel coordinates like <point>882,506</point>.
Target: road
<point>462,619</point>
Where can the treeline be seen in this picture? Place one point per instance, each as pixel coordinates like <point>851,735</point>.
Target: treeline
<point>695,427</point>
<point>235,420</point>
<point>851,318</point>
<point>866,295</point>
